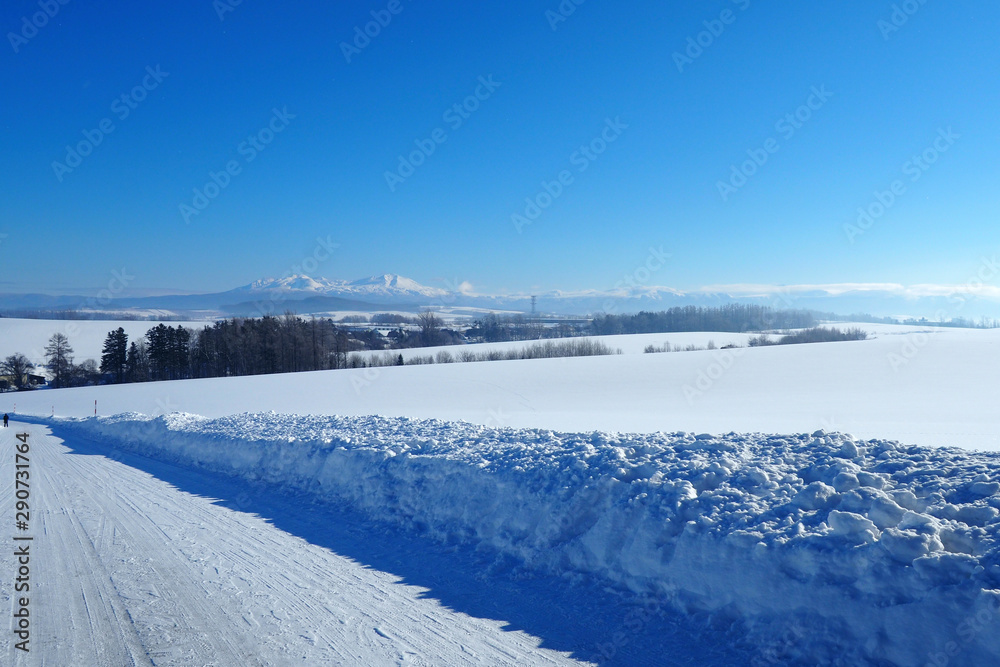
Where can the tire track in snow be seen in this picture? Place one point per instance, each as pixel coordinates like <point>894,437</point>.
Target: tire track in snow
<point>184,628</point>
<point>156,575</point>
<point>77,615</point>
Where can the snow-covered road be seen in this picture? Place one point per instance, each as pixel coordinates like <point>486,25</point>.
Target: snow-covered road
<point>138,562</point>
<point>129,570</point>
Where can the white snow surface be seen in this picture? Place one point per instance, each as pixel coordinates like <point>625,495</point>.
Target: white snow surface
<point>918,386</point>
<point>139,562</point>
<point>30,336</point>
<point>824,548</point>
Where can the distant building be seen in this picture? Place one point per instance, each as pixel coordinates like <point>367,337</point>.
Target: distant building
<point>30,381</point>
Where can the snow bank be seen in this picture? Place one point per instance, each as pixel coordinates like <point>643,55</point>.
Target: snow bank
<point>826,549</point>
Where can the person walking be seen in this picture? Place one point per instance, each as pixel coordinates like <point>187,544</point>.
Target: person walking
<point>5,418</point>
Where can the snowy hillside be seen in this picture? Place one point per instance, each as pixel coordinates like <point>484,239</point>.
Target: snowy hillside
<point>718,484</point>
<point>907,384</point>
<point>822,548</point>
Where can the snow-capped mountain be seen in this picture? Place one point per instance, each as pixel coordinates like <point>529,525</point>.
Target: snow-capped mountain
<point>291,284</point>
<point>390,284</point>
<point>377,289</point>
<point>305,294</point>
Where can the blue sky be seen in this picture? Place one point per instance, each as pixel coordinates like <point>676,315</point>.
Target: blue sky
<point>201,79</point>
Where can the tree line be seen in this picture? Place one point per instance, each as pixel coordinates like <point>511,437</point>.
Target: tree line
<point>814,335</point>
<point>731,318</point>
<point>232,347</point>
<point>282,344</point>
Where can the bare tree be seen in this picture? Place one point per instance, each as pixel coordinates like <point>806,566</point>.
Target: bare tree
<point>84,374</point>
<point>430,328</point>
<point>59,358</point>
<point>17,366</point>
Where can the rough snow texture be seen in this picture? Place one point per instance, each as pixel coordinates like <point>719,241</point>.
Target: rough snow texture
<point>827,549</point>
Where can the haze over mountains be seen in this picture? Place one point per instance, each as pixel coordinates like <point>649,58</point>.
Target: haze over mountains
<point>305,294</point>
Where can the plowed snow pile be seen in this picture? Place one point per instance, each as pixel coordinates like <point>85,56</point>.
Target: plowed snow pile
<point>827,549</point>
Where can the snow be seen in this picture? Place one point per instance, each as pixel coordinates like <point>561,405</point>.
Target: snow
<point>137,562</point>
<point>382,287</point>
<point>626,343</point>
<point>29,337</point>
<point>927,387</point>
<point>865,551</point>
<point>291,283</point>
<point>719,484</point>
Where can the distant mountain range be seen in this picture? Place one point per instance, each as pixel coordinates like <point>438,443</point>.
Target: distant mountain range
<point>305,295</point>
<point>388,286</point>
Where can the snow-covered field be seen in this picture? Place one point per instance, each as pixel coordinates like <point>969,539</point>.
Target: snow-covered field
<point>919,386</point>
<point>29,337</point>
<point>627,344</point>
<point>695,484</point>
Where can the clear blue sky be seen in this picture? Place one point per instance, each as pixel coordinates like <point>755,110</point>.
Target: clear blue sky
<point>656,185</point>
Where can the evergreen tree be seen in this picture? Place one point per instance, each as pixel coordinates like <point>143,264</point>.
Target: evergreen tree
<point>180,350</point>
<point>137,362</point>
<point>115,354</point>
<point>158,347</point>
<point>169,352</point>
